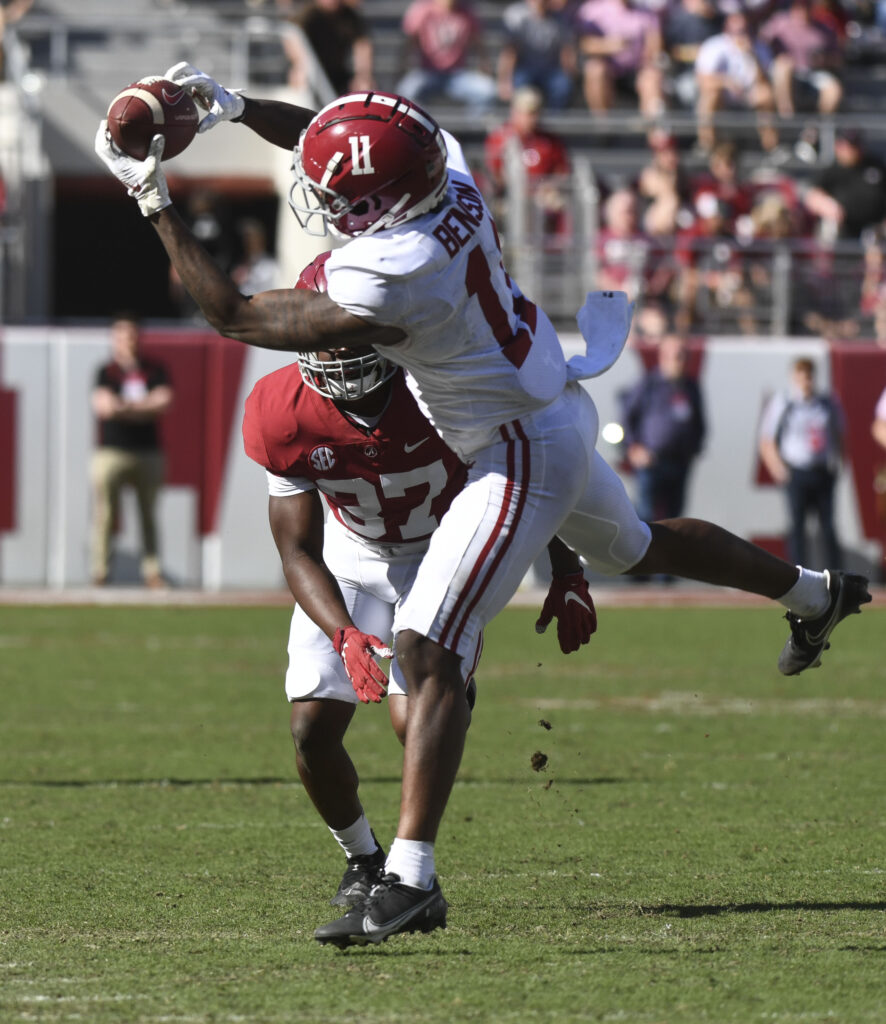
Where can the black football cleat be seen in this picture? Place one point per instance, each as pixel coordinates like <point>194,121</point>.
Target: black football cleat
<point>392,908</point>
<point>361,874</point>
<point>809,637</point>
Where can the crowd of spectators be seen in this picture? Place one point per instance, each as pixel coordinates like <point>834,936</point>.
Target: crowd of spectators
<point>698,224</point>
<point>698,231</point>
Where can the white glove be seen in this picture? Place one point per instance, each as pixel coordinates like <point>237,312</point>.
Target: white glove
<point>144,179</point>
<point>605,323</point>
<point>223,104</point>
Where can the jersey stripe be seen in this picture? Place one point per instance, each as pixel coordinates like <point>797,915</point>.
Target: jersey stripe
<point>502,535</point>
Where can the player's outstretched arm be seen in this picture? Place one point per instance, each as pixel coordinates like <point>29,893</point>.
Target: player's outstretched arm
<point>276,122</point>
<point>288,319</point>
<point>292,320</point>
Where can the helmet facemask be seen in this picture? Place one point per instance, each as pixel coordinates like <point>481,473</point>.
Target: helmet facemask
<point>345,379</point>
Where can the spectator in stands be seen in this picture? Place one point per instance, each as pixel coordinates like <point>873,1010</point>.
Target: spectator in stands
<point>773,228</point>
<point>873,287</point>
<point>663,187</point>
<point>722,180</point>
<point>850,195</point>
<point>339,36</point>
<point>130,395</point>
<point>801,444</point>
<point>622,248</point>
<point>806,57</point>
<point>257,270</point>
<point>712,286</point>
<point>730,72</point>
<point>537,51</point>
<point>621,48</point>
<point>446,38</point>
<point>543,154</point>
<point>664,422</point>
<point>686,25</point>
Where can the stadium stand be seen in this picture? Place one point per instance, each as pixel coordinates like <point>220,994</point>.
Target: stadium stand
<point>63,64</point>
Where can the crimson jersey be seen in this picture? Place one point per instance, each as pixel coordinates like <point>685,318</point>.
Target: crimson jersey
<point>543,153</point>
<point>390,484</point>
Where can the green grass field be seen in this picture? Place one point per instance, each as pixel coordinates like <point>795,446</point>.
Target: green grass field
<point>706,843</point>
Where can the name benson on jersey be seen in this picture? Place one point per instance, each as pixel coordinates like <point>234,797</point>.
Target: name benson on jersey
<point>457,227</point>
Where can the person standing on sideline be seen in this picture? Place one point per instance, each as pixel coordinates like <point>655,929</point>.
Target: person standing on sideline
<point>421,280</point>
<point>664,432</point>
<point>801,444</point>
<point>130,395</point>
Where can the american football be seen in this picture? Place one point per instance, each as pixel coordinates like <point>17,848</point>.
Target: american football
<point>149,107</point>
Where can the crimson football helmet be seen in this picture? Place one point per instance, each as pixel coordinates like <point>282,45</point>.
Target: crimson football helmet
<point>343,374</point>
<point>367,162</point>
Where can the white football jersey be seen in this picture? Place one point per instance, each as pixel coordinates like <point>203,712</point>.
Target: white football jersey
<point>478,352</point>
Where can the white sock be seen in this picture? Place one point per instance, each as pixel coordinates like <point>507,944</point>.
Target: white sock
<point>356,840</point>
<point>413,861</point>
<point>809,596</point>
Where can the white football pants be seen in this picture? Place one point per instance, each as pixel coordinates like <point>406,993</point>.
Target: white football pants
<point>544,477</point>
<point>374,581</point>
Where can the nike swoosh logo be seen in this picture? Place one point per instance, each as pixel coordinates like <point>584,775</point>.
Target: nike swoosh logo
<point>371,928</point>
<point>817,638</point>
<point>172,98</point>
<point>411,447</point>
<point>574,597</point>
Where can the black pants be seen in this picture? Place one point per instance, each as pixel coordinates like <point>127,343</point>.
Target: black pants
<point>812,490</point>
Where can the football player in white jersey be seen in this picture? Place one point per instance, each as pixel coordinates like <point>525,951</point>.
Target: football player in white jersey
<point>344,426</point>
<point>421,279</point>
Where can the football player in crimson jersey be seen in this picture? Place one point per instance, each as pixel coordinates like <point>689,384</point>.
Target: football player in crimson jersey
<point>344,426</point>
<point>421,279</point>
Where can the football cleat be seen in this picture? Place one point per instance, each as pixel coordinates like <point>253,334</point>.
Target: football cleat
<point>809,637</point>
<point>361,874</point>
<point>392,908</point>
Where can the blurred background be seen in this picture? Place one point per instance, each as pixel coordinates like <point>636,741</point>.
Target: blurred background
<point>719,161</point>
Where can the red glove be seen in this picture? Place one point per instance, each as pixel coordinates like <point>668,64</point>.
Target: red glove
<point>570,602</point>
<point>356,650</point>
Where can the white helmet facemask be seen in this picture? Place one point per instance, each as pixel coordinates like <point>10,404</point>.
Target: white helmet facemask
<point>346,379</point>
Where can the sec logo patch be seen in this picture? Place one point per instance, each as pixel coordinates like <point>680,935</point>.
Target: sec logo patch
<point>322,458</point>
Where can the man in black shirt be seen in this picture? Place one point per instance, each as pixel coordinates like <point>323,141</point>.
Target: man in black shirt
<point>130,395</point>
<point>850,195</point>
<point>339,37</point>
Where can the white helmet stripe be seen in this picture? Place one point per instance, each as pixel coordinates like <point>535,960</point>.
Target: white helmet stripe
<point>384,101</point>
<point>333,165</point>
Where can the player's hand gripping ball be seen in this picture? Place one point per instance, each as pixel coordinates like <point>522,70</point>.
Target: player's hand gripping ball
<point>152,106</point>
